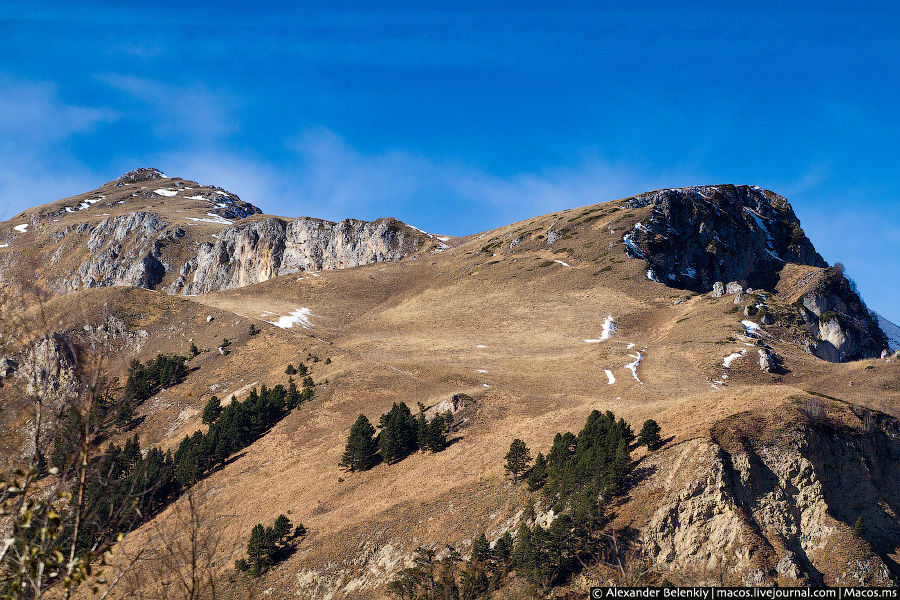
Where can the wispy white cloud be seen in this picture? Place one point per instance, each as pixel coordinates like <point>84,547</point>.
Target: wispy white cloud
<point>330,178</point>
<point>190,114</point>
<point>35,124</point>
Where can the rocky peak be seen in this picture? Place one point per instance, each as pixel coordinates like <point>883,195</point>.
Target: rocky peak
<point>697,236</point>
<point>138,175</point>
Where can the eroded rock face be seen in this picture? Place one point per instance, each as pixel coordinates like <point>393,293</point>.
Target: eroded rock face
<point>49,369</point>
<point>841,326</point>
<point>257,251</point>
<point>700,235</point>
<point>125,250</point>
<point>780,509</point>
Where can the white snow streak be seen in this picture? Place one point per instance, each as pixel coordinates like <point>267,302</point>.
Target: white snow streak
<point>565,264</point>
<point>731,358</point>
<point>23,228</point>
<point>610,377</point>
<point>608,329</point>
<point>165,192</point>
<point>634,365</point>
<point>301,316</point>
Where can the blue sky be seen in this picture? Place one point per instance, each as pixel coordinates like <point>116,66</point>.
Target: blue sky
<point>459,118</point>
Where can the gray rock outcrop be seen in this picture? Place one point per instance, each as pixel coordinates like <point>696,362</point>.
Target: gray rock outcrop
<point>253,252</point>
<point>700,235</point>
<point>841,326</point>
<point>718,505</point>
<point>125,250</point>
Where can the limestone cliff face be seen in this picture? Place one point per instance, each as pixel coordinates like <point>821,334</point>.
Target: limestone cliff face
<point>253,252</point>
<point>123,251</point>
<point>781,509</point>
<point>697,236</point>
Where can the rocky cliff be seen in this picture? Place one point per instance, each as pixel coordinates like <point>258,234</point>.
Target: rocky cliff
<point>148,230</point>
<point>256,251</point>
<point>697,238</point>
<point>765,503</point>
<point>699,235</point>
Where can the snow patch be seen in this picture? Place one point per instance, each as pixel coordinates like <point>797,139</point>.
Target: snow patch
<point>165,192</point>
<point>652,276</point>
<point>633,250</point>
<point>732,357</point>
<point>4,245</point>
<point>301,316</point>
<point>481,370</point>
<point>608,329</point>
<point>482,346</point>
<point>751,328</point>
<point>196,198</point>
<point>565,264</point>
<point>217,220</point>
<point>23,228</point>
<point>611,379</point>
<point>634,365</point>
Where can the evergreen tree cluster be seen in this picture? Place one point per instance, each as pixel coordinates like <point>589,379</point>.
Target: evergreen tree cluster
<point>126,487</point>
<point>577,476</point>
<point>145,380</point>
<point>401,434</point>
<point>268,546</point>
<point>451,577</point>
<point>237,426</point>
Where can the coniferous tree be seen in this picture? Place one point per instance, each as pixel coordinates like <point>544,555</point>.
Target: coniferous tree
<point>212,410</point>
<point>290,370</point>
<point>194,351</point>
<point>649,435</point>
<point>435,438</point>
<point>859,528</point>
<point>257,549</point>
<point>517,459</point>
<point>361,452</point>
<point>397,438</point>
<point>538,475</point>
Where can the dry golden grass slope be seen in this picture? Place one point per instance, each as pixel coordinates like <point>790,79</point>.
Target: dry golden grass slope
<point>516,326</point>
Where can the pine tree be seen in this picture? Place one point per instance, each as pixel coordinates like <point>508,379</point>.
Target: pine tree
<point>212,410</point>
<point>281,529</point>
<point>257,549</point>
<point>859,528</point>
<point>481,550</point>
<point>290,370</point>
<point>649,435</point>
<point>194,350</point>
<point>435,439</point>
<point>517,459</point>
<point>538,475</point>
<point>397,438</point>
<point>361,452</point>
